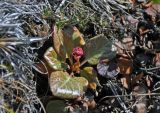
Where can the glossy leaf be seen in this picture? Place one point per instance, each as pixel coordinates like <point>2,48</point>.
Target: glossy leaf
<point>64,86</point>
<point>98,48</point>
<point>56,106</point>
<point>54,61</point>
<point>91,75</point>
<point>58,43</point>
<point>72,38</point>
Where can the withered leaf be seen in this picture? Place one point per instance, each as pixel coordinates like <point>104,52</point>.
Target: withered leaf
<point>153,10</point>
<point>156,59</point>
<point>137,78</point>
<point>126,80</point>
<point>126,68</point>
<point>125,65</point>
<point>149,80</point>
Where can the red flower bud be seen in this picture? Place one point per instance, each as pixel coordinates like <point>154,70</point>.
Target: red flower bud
<point>77,51</point>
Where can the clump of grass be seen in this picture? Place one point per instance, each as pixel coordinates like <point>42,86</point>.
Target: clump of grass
<point>19,40</point>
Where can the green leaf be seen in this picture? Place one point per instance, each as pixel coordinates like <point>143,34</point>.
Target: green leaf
<point>91,75</point>
<point>54,61</point>
<point>46,12</point>
<point>8,108</point>
<point>98,48</point>
<point>58,43</point>
<point>156,1</point>
<point>56,106</point>
<point>72,38</point>
<point>64,86</point>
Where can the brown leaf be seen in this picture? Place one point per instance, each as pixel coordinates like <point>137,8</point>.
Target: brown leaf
<point>125,65</point>
<point>132,1</point>
<point>137,78</point>
<point>92,85</point>
<point>126,68</point>
<point>91,104</point>
<point>149,80</point>
<point>128,43</point>
<point>125,80</point>
<point>153,10</point>
<point>156,59</point>
<point>125,46</point>
<point>147,5</point>
<point>43,68</point>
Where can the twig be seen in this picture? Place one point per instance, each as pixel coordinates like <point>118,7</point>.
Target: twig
<point>150,69</point>
<point>61,4</point>
<point>9,25</point>
<point>115,96</point>
<point>83,62</point>
<point>112,87</point>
